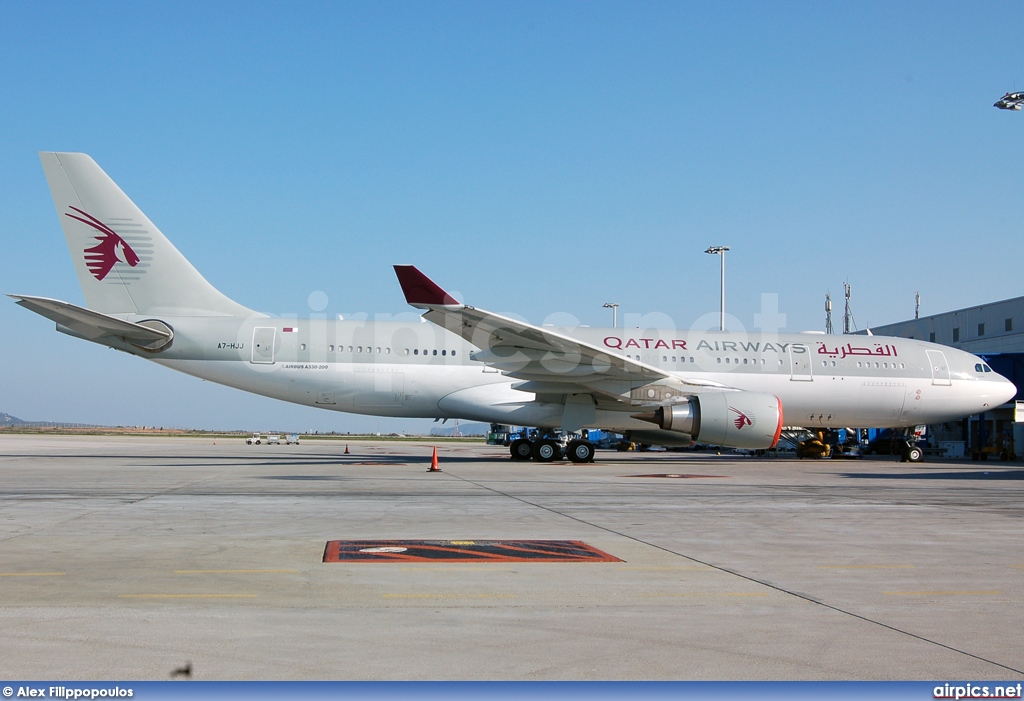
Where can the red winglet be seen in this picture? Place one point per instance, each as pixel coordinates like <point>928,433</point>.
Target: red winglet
<point>419,289</point>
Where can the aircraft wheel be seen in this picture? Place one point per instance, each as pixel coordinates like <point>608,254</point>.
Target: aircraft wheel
<point>546,451</point>
<point>581,451</point>
<point>915,454</point>
<point>521,449</point>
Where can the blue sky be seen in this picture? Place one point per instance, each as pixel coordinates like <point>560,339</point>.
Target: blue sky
<point>540,158</point>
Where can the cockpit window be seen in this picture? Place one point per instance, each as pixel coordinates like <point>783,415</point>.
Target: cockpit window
<point>977,368</point>
<point>987,368</point>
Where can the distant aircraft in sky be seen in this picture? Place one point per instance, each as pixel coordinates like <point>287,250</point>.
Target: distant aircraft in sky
<point>1010,101</point>
<point>659,386</point>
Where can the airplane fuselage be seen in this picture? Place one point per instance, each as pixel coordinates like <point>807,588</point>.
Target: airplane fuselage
<point>420,370</point>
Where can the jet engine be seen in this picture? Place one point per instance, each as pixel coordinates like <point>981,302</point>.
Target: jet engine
<point>733,419</point>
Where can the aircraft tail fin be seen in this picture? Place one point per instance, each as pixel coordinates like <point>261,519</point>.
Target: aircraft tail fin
<point>124,263</point>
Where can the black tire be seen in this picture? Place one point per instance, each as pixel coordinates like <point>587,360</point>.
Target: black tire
<point>915,454</point>
<point>257,442</point>
<point>521,449</point>
<point>546,450</point>
<point>581,451</point>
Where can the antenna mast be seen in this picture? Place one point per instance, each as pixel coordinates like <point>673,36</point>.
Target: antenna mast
<point>847,316</point>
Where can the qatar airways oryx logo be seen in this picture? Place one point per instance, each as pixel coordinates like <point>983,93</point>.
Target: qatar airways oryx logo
<point>111,249</point>
<point>741,419</point>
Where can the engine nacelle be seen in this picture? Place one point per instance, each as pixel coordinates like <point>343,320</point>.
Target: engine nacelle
<point>733,419</point>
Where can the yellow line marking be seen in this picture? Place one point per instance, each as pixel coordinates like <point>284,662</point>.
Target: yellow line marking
<point>32,574</point>
<point>866,567</point>
<point>683,568</point>
<point>232,571</point>
<point>448,596</point>
<point>986,592</point>
<point>710,594</point>
<point>186,596</point>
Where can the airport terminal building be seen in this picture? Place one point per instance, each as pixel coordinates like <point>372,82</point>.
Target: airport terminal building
<point>995,332</point>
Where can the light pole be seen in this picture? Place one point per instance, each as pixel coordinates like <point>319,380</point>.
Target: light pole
<point>615,308</point>
<point>720,250</point>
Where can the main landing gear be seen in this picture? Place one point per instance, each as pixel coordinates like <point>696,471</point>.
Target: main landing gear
<point>577,450</point>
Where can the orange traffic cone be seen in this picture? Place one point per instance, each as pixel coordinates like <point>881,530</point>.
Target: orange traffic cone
<point>346,449</point>
<point>433,462</point>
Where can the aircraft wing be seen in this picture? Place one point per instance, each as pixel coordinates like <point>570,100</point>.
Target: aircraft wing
<point>548,361</point>
<point>92,325</point>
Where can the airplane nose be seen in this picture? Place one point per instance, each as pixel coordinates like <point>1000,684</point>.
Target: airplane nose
<point>1007,390</point>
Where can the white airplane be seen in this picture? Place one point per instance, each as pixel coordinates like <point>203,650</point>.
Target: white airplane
<point>664,387</point>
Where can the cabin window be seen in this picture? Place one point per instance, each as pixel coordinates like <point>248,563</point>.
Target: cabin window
<point>302,346</point>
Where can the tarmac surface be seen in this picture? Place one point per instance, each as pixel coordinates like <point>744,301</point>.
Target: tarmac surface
<point>129,558</point>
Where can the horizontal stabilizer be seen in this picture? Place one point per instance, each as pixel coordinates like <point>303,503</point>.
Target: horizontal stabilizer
<point>93,325</point>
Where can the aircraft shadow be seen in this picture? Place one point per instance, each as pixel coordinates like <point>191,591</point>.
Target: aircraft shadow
<point>1000,475</point>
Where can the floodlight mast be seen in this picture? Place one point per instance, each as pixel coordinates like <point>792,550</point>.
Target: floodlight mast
<point>720,250</point>
<point>614,306</point>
